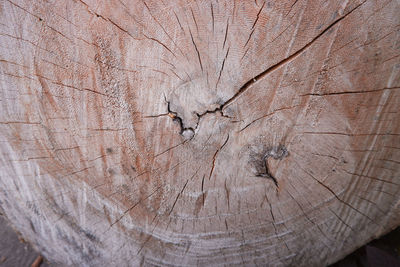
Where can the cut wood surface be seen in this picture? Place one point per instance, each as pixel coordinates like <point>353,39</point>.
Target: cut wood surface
<point>200,132</point>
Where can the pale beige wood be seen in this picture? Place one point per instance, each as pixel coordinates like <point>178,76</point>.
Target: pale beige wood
<point>148,132</point>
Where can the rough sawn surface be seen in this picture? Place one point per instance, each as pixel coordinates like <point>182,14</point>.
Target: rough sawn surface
<point>200,132</point>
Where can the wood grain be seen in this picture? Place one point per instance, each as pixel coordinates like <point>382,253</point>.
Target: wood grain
<point>200,132</point>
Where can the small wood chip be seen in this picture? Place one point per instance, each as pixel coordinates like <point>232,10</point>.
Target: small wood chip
<point>37,262</point>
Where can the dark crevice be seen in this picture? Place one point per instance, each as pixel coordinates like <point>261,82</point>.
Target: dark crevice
<point>254,24</point>
<point>215,157</point>
<point>267,174</point>
<point>177,197</point>
<point>291,7</point>
<point>179,22</point>
<point>212,15</point>
<point>194,19</point>
<point>156,116</point>
<point>176,118</point>
<point>197,50</point>
<point>276,153</point>
<point>159,42</point>
<point>226,33</point>
<point>222,68</point>
<point>350,92</point>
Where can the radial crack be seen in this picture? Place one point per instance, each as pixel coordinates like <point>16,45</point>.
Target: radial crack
<point>285,60</point>
<point>215,157</point>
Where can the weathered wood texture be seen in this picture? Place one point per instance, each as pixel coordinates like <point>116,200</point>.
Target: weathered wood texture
<point>200,132</point>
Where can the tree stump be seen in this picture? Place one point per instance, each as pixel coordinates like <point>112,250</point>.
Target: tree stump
<point>200,132</point>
